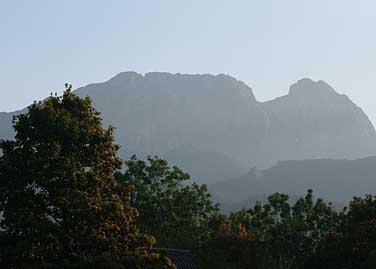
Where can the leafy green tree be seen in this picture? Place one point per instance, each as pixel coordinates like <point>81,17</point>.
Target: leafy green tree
<point>291,235</point>
<point>274,235</point>
<point>241,217</point>
<point>353,243</point>
<point>175,211</point>
<point>359,229</point>
<point>60,201</point>
<point>231,247</point>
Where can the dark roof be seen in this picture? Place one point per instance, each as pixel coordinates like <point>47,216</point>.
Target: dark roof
<point>183,259</point>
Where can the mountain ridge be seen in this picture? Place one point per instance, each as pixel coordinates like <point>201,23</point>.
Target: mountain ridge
<point>166,114</point>
<point>333,180</point>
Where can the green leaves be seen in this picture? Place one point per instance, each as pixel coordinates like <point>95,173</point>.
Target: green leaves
<point>59,198</point>
<point>278,234</point>
<point>171,208</point>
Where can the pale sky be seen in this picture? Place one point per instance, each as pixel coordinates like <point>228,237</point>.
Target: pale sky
<point>267,44</point>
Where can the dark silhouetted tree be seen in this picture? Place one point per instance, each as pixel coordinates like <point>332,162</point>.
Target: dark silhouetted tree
<point>353,243</point>
<point>274,235</point>
<point>60,201</point>
<point>175,211</point>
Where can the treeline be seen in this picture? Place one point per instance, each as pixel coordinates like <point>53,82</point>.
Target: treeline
<point>308,234</point>
<point>66,203</point>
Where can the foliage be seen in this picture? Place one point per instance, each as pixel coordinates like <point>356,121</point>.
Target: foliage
<point>289,235</point>
<point>232,247</point>
<point>60,201</point>
<point>274,235</point>
<point>176,212</point>
<point>353,243</point>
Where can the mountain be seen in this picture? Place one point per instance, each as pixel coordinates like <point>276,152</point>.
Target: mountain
<point>334,180</point>
<point>314,121</point>
<point>214,127</point>
<point>6,131</point>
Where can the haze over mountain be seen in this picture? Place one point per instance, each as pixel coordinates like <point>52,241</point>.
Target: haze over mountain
<point>334,180</point>
<point>214,127</point>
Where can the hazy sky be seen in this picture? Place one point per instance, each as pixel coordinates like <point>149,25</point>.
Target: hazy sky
<point>267,44</point>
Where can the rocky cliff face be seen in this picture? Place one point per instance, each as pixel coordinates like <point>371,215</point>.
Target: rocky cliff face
<point>314,121</point>
<point>182,117</point>
<point>160,112</point>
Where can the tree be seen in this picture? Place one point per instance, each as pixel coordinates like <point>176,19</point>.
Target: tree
<point>359,229</point>
<point>60,201</point>
<point>176,212</point>
<point>274,235</point>
<point>290,235</point>
<point>231,246</point>
<point>353,243</point>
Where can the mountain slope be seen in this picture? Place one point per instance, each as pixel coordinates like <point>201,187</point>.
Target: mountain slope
<point>314,121</point>
<point>182,117</point>
<point>6,131</point>
<point>334,180</point>
<point>160,112</point>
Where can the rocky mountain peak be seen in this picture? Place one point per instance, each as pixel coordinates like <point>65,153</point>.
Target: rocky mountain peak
<point>307,88</point>
<point>168,83</point>
<point>125,77</point>
<point>169,115</point>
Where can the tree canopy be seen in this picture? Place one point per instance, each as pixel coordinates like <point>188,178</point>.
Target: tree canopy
<point>274,235</point>
<point>60,201</point>
<point>173,209</point>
